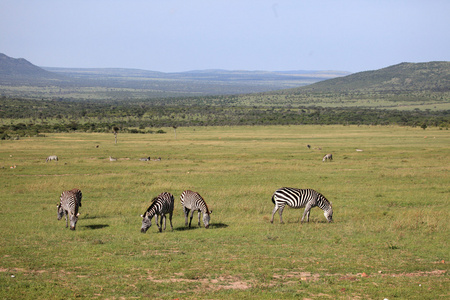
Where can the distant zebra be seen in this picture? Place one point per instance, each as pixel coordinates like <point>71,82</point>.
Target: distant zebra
<point>327,157</point>
<point>161,205</point>
<point>145,159</point>
<point>68,206</point>
<point>193,201</point>
<point>297,198</point>
<point>51,157</point>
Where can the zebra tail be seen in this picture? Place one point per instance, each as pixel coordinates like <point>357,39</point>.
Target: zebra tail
<point>273,200</point>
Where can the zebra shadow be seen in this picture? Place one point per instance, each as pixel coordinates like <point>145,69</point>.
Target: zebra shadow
<point>211,226</point>
<point>95,226</point>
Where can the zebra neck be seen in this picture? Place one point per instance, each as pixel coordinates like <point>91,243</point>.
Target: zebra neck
<point>324,205</point>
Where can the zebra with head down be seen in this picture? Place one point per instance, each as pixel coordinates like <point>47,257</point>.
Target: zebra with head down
<point>51,157</point>
<point>161,205</point>
<point>192,201</point>
<point>328,156</point>
<point>298,198</point>
<point>68,206</point>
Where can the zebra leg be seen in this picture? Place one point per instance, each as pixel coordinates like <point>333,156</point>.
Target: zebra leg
<point>67,221</point>
<point>190,220</point>
<point>170,219</point>
<point>157,224</point>
<point>273,212</point>
<point>280,211</point>
<point>186,215</point>
<point>164,218</point>
<point>306,213</point>
<point>199,218</point>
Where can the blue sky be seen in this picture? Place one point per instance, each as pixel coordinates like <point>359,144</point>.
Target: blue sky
<point>182,35</point>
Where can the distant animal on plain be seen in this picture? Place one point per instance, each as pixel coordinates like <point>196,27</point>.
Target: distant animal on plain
<point>112,159</point>
<point>157,159</point>
<point>51,157</point>
<point>145,159</point>
<point>327,157</point>
<point>309,146</point>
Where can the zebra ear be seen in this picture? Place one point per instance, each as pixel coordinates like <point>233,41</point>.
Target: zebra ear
<point>210,212</point>
<point>142,216</point>
<point>78,214</point>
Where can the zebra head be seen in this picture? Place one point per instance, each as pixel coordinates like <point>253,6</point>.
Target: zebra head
<point>73,220</point>
<point>146,223</point>
<point>207,218</point>
<point>329,214</point>
<point>60,211</point>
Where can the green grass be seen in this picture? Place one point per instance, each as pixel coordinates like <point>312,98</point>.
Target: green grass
<point>389,239</point>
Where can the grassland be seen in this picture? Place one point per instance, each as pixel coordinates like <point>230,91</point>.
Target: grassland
<point>390,237</point>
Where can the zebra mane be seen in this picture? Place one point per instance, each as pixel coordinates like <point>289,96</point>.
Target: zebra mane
<point>207,208</point>
<point>326,202</point>
<point>151,206</point>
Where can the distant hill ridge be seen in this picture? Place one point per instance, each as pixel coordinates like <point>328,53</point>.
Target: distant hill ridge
<point>432,76</point>
<point>22,68</point>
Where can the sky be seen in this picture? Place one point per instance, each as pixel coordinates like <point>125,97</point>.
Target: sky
<point>184,35</point>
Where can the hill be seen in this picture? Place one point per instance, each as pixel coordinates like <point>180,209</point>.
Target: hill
<point>19,69</point>
<point>124,84</point>
<point>406,86</point>
<point>431,76</point>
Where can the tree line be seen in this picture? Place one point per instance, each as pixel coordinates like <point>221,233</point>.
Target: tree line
<point>27,117</point>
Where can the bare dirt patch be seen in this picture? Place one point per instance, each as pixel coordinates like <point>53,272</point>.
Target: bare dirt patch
<point>222,282</point>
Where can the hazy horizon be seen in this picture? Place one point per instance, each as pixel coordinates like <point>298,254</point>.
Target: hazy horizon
<point>178,36</point>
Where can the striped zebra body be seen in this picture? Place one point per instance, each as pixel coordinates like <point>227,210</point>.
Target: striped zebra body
<point>69,201</point>
<point>51,157</point>
<point>298,198</point>
<point>161,205</point>
<point>192,201</point>
<point>327,157</point>
<point>78,195</point>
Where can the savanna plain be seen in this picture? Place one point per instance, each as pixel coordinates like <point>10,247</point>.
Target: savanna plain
<point>389,238</point>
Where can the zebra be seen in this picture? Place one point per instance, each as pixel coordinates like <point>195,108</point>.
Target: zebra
<point>68,206</point>
<point>51,157</point>
<point>161,205</point>
<point>193,201</point>
<point>298,198</point>
<point>78,194</point>
<point>328,156</point>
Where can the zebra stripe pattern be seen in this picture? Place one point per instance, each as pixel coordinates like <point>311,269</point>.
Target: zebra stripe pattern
<point>161,205</point>
<point>298,198</point>
<point>78,195</point>
<point>192,201</point>
<point>69,201</point>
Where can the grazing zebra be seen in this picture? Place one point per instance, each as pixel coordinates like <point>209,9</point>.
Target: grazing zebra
<point>327,157</point>
<point>68,206</point>
<point>51,157</point>
<point>193,201</point>
<point>145,159</point>
<point>297,198</point>
<point>161,205</point>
